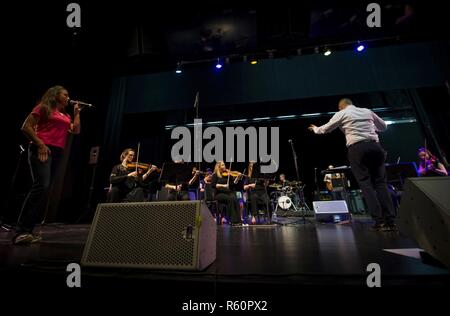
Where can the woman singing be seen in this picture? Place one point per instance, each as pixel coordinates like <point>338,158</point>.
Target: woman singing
<point>46,126</point>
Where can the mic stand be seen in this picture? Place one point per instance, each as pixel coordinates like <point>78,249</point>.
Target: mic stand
<point>269,216</point>
<point>89,200</point>
<point>294,154</point>
<point>3,225</point>
<point>302,206</point>
<point>316,184</point>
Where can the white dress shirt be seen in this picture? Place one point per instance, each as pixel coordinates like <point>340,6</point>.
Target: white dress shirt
<point>358,124</point>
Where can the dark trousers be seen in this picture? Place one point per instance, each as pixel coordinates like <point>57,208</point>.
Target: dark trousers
<point>258,200</point>
<point>231,203</point>
<point>367,162</point>
<point>178,196</point>
<point>42,174</point>
<point>119,194</point>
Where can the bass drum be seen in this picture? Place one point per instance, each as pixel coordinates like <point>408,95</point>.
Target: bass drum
<point>284,202</point>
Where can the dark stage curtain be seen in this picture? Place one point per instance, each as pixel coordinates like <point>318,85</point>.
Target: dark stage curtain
<point>114,117</point>
<point>433,114</point>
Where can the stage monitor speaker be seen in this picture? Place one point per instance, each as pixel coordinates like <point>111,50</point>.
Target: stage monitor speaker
<point>424,215</point>
<point>153,235</point>
<point>331,211</point>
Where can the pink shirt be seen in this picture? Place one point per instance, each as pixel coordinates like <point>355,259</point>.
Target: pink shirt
<point>52,132</point>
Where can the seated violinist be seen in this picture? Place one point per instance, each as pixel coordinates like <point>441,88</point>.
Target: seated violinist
<point>194,184</point>
<point>181,192</point>
<point>429,165</point>
<point>128,179</point>
<point>205,188</point>
<point>177,192</point>
<point>224,182</point>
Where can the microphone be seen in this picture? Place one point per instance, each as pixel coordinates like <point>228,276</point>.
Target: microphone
<point>83,104</point>
<point>290,141</point>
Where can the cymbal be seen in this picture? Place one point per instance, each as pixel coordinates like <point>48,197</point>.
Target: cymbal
<point>275,186</point>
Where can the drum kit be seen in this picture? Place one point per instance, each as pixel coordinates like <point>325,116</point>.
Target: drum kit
<point>286,197</point>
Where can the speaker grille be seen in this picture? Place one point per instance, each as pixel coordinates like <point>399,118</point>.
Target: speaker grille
<point>143,235</point>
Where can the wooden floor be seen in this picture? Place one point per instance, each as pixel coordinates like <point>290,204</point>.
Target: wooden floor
<point>259,258</point>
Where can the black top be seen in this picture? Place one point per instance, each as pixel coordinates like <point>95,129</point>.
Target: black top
<point>195,184</point>
<point>259,184</point>
<point>119,177</point>
<point>233,187</point>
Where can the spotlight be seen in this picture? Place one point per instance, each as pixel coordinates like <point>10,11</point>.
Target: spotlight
<point>360,48</point>
<point>178,71</point>
<point>218,64</point>
<point>327,52</point>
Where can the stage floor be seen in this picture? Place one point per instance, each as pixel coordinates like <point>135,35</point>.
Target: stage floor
<point>255,257</point>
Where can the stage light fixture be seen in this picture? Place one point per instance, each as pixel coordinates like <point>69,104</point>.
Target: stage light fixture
<point>218,64</point>
<point>360,47</point>
<point>178,70</point>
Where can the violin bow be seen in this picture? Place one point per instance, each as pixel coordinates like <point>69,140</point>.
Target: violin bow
<point>137,156</point>
<point>229,173</point>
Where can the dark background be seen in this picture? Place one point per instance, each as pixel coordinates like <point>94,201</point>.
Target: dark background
<point>127,39</point>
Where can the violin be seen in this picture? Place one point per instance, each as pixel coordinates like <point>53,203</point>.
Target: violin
<point>232,174</point>
<point>200,173</point>
<point>141,166</point>
<point>430,163</point>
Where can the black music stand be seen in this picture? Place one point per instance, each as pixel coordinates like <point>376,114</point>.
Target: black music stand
<point>176,173</point>
<point>397,173</point>
<point>265,177</point>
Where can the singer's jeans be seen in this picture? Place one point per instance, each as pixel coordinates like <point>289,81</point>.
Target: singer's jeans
<point>367,162</point>
<point>42,174</point>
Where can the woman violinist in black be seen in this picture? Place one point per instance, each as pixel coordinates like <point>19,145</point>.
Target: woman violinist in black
<point>128,179</point>
<point>429,165</point>
<point>224,181</point>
